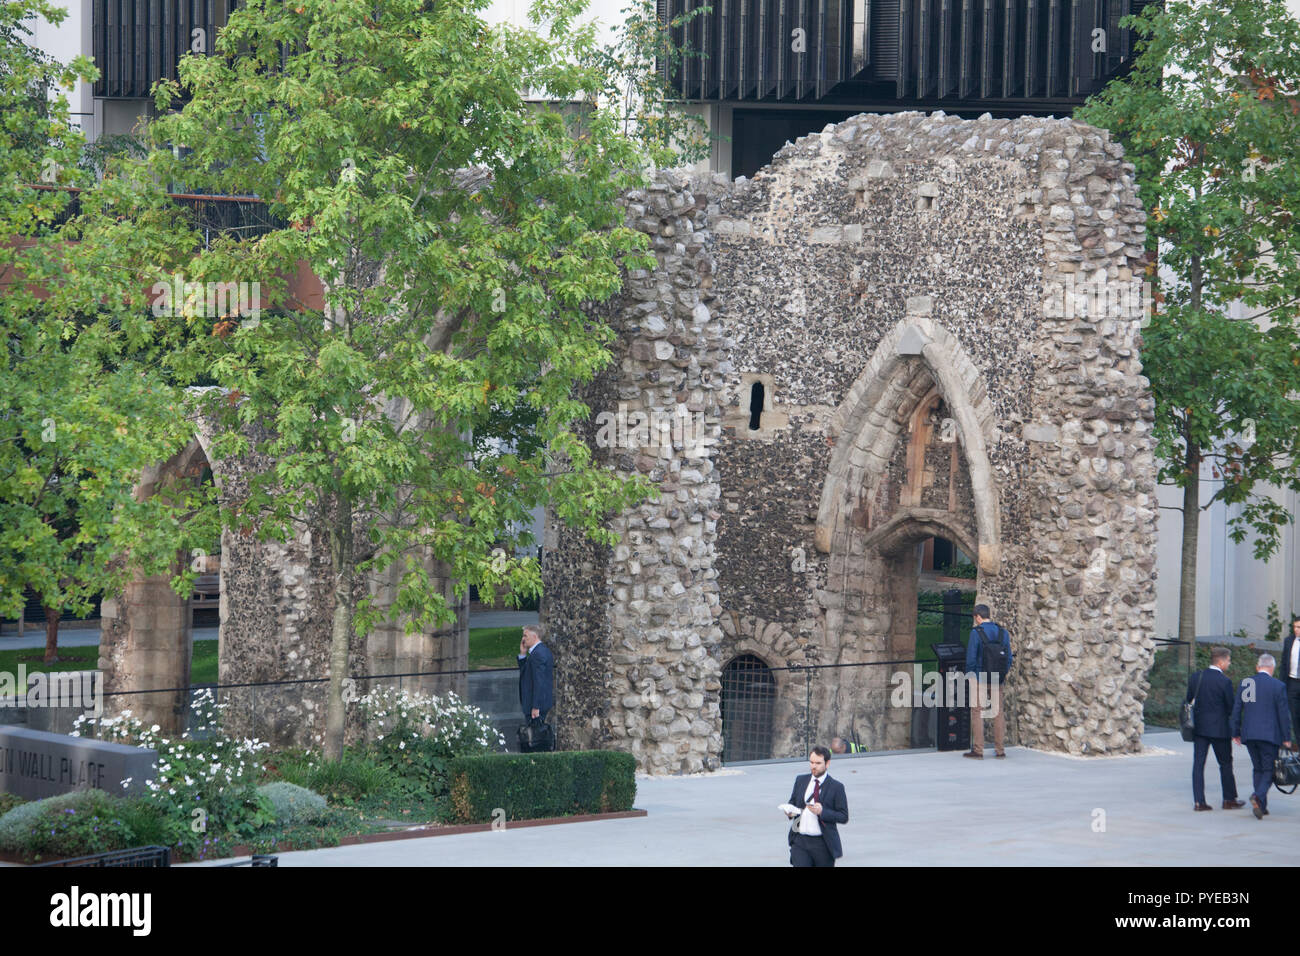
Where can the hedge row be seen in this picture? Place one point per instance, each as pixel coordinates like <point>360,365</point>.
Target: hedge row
<point>529,786</point>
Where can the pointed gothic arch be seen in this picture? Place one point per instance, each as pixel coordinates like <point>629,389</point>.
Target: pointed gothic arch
<point>865,428</point>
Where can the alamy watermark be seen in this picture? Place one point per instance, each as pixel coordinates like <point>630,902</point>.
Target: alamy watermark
<point>80,689</point>
<point>653,429</point>
<point>951,689</point>
<point>1073,296</point>
<point>214,300</point>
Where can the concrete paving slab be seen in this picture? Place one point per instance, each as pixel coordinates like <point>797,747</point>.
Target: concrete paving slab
<point>1032,809</point>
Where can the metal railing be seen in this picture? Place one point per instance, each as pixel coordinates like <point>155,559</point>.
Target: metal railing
<point>257,859</point>
<point>782,712</point>
<point>251,704</point>
<point>141,856</point>
<point>244,216</point>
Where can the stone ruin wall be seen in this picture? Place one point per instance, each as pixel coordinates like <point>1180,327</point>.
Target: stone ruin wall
<point>634,627</point>
<point>275,620</point>
<point>866,267</point>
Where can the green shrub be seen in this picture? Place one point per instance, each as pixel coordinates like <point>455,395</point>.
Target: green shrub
<point>8,801</point>
<point>353,779</point>
<point>292,803</point>
<point>148,822</point>
<point>415,736</point>
<point>70,824</point>
<point>204,783</point>
<point>529,786</point>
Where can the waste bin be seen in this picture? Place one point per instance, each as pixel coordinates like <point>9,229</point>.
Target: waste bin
<point>954,722</point>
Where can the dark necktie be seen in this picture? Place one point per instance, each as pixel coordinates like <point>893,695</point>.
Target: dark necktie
<point>817,790</point>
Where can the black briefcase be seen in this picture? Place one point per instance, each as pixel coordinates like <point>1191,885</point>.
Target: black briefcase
<point>1286,771</point>
<point>536,736</point>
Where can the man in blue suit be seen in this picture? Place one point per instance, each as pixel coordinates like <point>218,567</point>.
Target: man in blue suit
<point>536,676</point>
<point>1260,719</point>
<point>1210,694</point>
<point>815,839</point>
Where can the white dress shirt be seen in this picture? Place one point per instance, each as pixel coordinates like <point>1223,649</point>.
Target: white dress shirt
<point>809,822</point>
<point>1293,668</point>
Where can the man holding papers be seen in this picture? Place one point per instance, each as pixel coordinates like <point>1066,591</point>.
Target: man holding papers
<point>817,805</point>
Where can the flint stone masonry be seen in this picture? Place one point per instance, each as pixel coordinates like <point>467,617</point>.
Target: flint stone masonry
<point>276,603</point>
<point>886,279</point>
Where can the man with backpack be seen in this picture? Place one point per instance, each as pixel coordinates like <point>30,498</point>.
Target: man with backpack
<point>988,657</point>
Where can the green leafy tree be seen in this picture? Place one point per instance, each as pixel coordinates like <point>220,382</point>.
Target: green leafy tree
<point>1210,117</point>
<point>461,234</point>
<point>639,68</point>
<point>84,408</point>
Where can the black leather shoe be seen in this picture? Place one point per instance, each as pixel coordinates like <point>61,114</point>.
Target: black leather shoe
<point>1233,804</point>
<point>1202,806</point>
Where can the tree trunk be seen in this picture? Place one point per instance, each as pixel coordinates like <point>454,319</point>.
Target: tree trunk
<point>51,635</point>
<point>341,630</point>
<point>1187,570</point>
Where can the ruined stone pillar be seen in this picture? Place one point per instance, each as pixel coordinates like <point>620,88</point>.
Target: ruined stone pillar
<point>145,643</point>
<point>145,635</point>
<point>634,627</point>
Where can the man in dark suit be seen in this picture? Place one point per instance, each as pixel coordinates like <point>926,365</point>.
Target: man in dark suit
<point>1210,694</point>
<point>814,838</point>
<point>1259,718</point>
<point>536,676</point>
<point>1291,676</point>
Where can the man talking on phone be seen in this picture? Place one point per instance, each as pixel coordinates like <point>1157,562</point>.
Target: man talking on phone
<point>536,681</point>
<point>823,805</point>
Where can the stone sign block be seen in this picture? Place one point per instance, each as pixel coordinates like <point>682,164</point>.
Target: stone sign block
<point>36,764</point>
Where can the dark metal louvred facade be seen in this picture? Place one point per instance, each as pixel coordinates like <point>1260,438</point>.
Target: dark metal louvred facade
<point>138,42</point>
<point>1036,54</point>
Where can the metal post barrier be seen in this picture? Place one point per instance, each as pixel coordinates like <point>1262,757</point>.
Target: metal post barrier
<point>952,616</point>
<point>807,711</point>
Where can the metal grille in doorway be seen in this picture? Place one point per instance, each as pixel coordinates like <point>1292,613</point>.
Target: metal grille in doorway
<point>748,704</point>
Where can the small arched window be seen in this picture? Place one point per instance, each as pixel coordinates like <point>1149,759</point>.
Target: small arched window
<point>756,397</point>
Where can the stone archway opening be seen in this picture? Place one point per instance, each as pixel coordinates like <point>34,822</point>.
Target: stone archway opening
<point>146,634</point>
<point>748,701</point>
<point>908,468</point>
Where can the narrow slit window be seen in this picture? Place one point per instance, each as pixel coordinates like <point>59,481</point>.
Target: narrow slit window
<point>755,406</point>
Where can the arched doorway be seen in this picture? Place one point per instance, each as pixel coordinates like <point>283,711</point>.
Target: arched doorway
<point>909,465</point>
<point>748,704</point>
<point>146,632</point>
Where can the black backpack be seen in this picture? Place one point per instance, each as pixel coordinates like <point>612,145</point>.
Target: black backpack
<point>994,657</point>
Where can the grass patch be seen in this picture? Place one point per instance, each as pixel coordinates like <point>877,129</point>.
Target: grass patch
<point>70,659</point>
<point>491,647</point>
<point>927,634</point>
<point>203,663</point>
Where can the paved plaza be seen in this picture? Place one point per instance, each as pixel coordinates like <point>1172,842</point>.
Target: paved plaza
<point>905,809</point>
